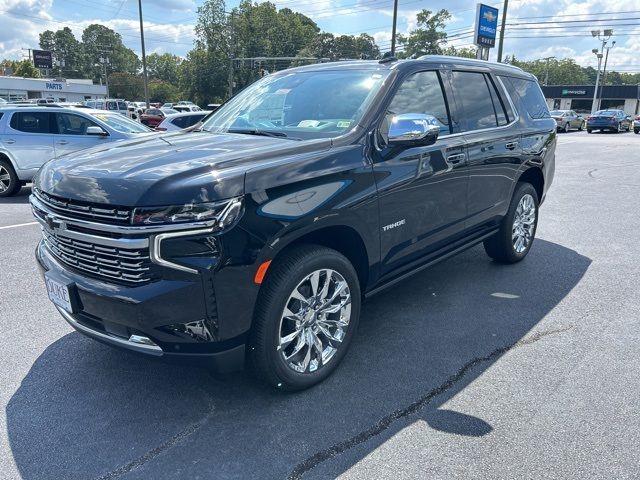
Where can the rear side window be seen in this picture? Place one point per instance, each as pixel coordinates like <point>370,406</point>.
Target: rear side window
<point>530,95</point>
<point>180,122</point>
<point>193,119</point>
<point>1,114</point>
<point>31,122</point>
<point>422,93</point>
<point>498,103</point>
<point>474,99</point>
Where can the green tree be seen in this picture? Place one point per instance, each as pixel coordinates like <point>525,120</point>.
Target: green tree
<point>125,85</point>
<point>163,67</point>
<point>25,69</point>
<point>100,41</point>
<point>465,52</point>
<point>429,38</point>
<point>161,91</point>
<point>67,52</point>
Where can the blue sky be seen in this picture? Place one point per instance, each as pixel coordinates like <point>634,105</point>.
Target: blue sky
<point>169,23</point>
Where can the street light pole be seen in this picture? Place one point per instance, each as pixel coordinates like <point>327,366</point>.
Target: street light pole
<point>144,57</point>
<point>606,35</point>
<point>604,74</point>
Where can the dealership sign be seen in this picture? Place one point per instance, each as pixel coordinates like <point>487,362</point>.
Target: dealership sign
<point>566,91</point>
<point>486,25</point>
<point>42,59</point>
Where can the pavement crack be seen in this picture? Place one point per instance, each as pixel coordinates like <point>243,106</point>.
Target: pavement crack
<point>385,422</point>
<point>163,447</point>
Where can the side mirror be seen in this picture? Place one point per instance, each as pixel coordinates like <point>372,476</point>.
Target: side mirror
<point>413,129</point>
<point>96,131</point>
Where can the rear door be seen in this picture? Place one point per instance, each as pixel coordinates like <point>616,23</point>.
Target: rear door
<point>29,139</point>
<point>71,133</point>
<point>422,190</point>
<point>493,144</point>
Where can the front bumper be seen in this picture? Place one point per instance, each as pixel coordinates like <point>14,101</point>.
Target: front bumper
<point>163,319</point>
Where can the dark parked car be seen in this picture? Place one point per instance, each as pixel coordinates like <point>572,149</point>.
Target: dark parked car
<point>257,237</point>
<point>568,119</point>
<point>636,124</point>
<point>152,117</point>
<point>614,120</point>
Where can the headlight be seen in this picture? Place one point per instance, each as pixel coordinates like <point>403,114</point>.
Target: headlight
<point>223,213</point>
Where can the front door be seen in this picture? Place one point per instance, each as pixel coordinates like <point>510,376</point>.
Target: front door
<point>71,133</point>
<point>422,190</point>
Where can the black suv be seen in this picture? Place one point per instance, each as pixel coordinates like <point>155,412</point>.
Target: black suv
<point>257,236</point>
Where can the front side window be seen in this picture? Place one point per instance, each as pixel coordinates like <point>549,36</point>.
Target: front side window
<point>474,99</point>
<point>31,122</point>
<point>422,93</point>
<point>69,124</point>
<point>311,104</point>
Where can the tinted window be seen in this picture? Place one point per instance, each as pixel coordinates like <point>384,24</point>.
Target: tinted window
<point>474,99</point>
<point>31,122</point>
<point>191,120</point>
<point>1,113</point>
<point>422,93</point>
<point>69,124</point>
<point>180,122</point>
<point>498,103</point>
<point>122,106</point>
<point>530,95</point>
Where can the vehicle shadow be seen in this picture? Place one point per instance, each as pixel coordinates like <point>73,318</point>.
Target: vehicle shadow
<point>21,196</point>
<point>87,411</point>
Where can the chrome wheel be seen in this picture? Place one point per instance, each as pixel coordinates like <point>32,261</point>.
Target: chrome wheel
<point>314,321</point>
<point>524,223</point>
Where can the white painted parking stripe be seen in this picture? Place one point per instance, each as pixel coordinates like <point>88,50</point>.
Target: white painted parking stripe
<point>18,225</point>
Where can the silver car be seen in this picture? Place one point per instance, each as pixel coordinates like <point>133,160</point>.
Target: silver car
<point>31,136</point>
<point>568,119</point>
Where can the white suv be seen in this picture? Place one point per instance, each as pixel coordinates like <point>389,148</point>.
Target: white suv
<point>31,136</point>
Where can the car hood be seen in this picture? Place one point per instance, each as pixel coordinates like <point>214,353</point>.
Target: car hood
<point>165,169</point>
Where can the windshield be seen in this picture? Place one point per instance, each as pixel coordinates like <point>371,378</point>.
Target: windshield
<point>609,113</point>
<point>120,123</point>
<point>305,105</point>
<point>556,113</point>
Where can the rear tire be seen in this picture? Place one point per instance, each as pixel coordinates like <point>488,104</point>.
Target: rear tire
<point>636,130</point>
<point>518,228</point>
<point>581,127</point>
<point>291,318</point>
<point>589,130</point>
<point>9,181</point>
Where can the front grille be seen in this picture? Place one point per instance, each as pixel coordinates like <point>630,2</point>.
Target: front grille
<point>86,210</point>
<point>110,263</point>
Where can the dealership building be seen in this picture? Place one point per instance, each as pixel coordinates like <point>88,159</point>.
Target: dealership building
<point>580,97</point>
<point>60,90</point>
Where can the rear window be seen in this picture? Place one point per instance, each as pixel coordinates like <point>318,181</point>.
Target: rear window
<point>530,95</point>
<point>31,122</point>
<point>180,122</point>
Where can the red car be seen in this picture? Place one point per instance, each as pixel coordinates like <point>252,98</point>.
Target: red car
<point>153,116</point>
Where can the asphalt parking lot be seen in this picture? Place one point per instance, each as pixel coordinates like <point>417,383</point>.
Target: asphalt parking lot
<point>467,370</point>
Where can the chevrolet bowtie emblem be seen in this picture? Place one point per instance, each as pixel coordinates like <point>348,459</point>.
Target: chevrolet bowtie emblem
<point>53,222</point>
<point>489,16</point>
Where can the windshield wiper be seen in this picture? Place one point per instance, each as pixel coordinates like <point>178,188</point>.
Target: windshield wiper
<point>263,133</point>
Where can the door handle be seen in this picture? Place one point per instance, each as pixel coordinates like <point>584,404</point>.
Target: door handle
<point>62,142</point>
<point>10,141</point>
<point>511,145</point>
<point>455,159</point>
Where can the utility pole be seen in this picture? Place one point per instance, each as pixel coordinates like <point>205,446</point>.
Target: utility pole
<point>144,57</point>
<point>393,28</point>
<point>505,6</point>
<point>546,74</point>
<point>598,53</point>
<point>604,74</point>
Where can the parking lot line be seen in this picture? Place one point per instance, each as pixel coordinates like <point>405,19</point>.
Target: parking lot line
<point>18,225</point>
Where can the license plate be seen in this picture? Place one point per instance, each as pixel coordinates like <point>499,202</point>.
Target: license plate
<point>59,293</point>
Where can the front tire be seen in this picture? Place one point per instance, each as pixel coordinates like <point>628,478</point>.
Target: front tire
<point>567,127</point>
<point>307,313</point>
<point>589,130</point>
<point>581,127</point>
<point>9,181</point>
<point>518,228</point>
